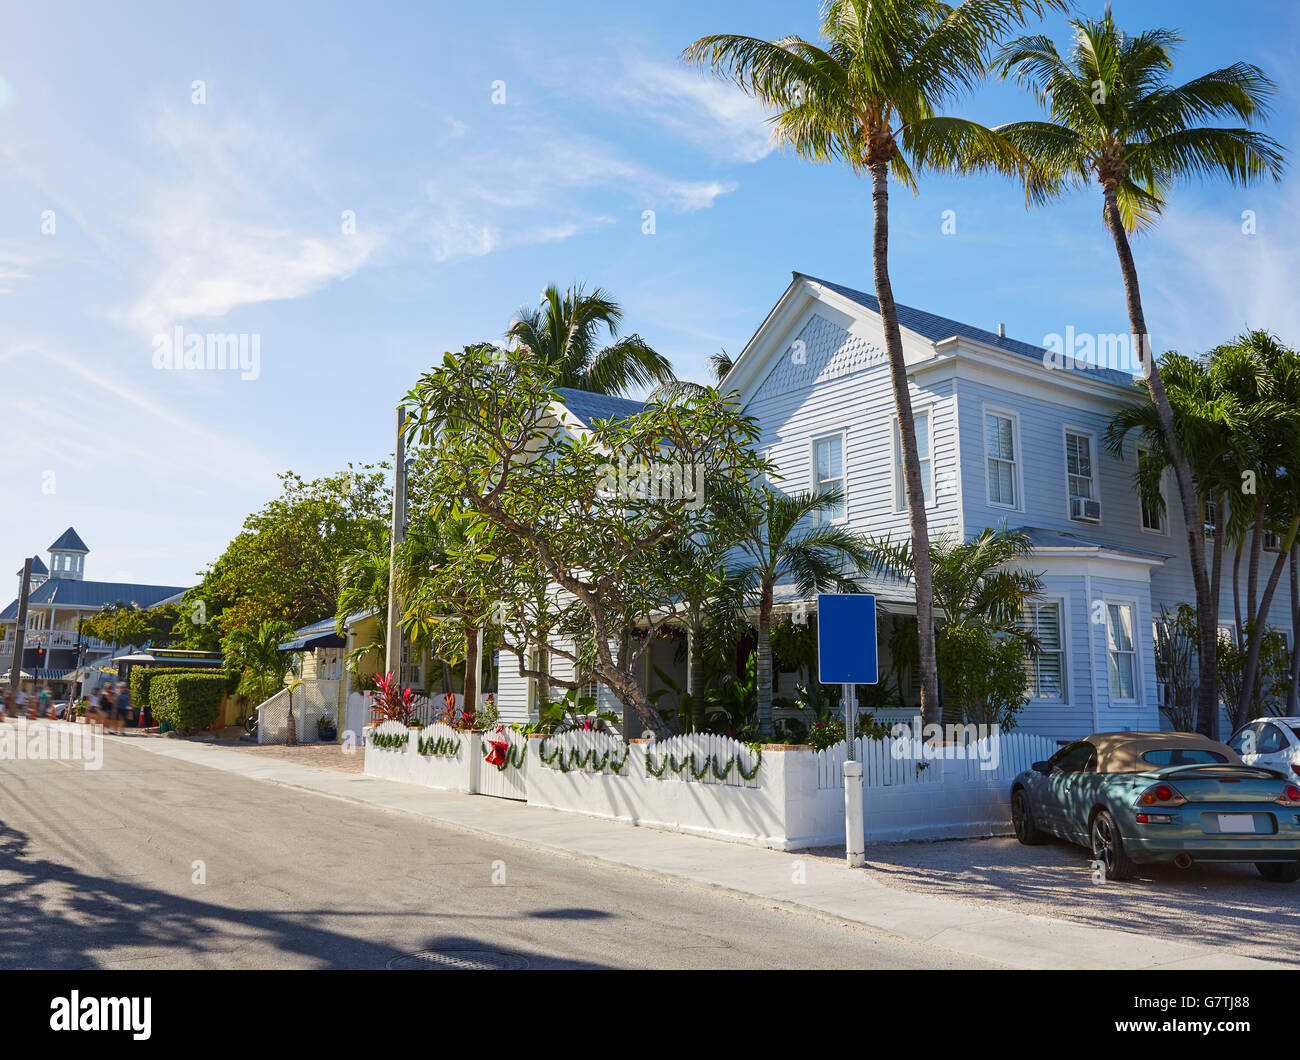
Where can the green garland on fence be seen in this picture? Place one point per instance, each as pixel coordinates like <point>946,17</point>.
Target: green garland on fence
<point>389,739</point>
<point>444,745</point>
<point>710,763</point>
<point>509,757</point>
<point>584,761</point>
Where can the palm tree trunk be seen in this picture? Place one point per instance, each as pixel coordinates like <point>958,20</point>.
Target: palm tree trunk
<point>1216,568</point>
<point>1236,591</point>
<point>1293,696</point>
<point>1207,692</point>
<point>927,663</point>
<point>763,667</point>
<point>1259,627</point>
<point>1256,550</point>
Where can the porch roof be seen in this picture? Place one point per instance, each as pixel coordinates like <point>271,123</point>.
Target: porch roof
<point>1060,539</point>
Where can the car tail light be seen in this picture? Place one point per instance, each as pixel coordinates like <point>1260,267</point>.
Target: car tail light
<point>1161,795</point>
<point>1290,796</point>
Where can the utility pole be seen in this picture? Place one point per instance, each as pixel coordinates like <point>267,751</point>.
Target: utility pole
<point>397,534</point>
<point>20,634</point>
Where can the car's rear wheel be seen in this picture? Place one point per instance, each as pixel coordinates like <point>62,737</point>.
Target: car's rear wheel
<point>1279,871</point>
<point>1022,820</point>
<point>1108,847</point>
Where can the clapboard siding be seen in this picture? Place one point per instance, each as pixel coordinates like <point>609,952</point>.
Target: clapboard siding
<point>843,385</point>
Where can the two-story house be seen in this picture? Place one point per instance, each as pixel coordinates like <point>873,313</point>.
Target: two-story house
<point>58,598</point>
<point>1006,437</point>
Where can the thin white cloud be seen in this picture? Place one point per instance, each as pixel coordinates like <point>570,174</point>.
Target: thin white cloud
<point>712,114</point>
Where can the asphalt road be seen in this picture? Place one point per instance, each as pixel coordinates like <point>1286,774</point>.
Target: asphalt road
<point>154,863</point>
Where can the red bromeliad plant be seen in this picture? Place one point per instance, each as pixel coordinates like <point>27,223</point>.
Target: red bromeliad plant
<point>390,703</point>
<point>461,720</point>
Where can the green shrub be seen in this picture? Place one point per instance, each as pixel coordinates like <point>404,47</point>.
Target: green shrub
<point>982,674</point>
<point>187,701</point>
<point>142,678</point>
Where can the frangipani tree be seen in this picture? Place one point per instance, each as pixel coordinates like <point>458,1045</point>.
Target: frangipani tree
<point>579,515</point>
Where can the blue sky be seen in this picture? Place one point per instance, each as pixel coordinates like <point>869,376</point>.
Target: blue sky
<point>228,216</point>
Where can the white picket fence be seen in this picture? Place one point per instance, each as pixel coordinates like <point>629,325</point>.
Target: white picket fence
<point>508,781</point>
<point>893,762</point>
<point>693,751</point>
<point>585,749</point>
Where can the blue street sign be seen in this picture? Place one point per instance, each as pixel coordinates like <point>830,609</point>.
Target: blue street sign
<point>846,639</point>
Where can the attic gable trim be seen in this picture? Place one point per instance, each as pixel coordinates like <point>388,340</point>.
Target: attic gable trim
<point>795,307</point>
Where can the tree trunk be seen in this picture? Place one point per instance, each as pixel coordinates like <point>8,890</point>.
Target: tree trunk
<point>1207,692</point>
<point>695,667</point>
<point>472,667</point>
<point>1293,696</point>
<point>916,516</point>
<point>1256,551</point>
<point>1216,570</point>
<point>1259,626</point>
<point>1236,593</point>
<point>763,666</point>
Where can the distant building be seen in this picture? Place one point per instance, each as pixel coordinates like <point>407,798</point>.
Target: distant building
<point>59,597</point>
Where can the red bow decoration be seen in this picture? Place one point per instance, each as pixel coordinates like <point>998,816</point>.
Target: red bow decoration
<point>497,756</point>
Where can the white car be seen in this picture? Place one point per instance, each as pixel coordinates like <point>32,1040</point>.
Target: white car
<point>1273,743</point>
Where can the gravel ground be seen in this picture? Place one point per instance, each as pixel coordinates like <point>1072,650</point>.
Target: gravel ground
<point>1231,906</point>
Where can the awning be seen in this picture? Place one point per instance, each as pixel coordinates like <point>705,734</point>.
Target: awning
<point>52,675</point>
<point>310,643</point>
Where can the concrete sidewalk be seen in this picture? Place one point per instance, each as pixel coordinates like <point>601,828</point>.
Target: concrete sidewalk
<point>805,884</point>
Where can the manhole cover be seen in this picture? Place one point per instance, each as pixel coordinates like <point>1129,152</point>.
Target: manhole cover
<point>457,960</point>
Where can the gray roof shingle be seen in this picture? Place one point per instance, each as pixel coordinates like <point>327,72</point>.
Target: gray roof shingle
<point>68,592</point>
<point>936,328</point>
<point>589,406</point>
<point>69,541</point>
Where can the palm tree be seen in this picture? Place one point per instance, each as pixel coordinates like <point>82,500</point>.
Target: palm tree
<point>778,543</point>
<point>363,587</point>
<point>257,653</point>
<point>869,95</point>
<point>564,331</point>
<point>1116,119</point>
<point>972,583</point>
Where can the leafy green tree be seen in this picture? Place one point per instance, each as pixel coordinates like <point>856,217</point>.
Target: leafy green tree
<point>564,333</point>
<point>870,94</point>
<point>123,623</point>
<point>564,528</point>
<point>1115,118</point>
<point>779,541</point>
<point>283,565</point>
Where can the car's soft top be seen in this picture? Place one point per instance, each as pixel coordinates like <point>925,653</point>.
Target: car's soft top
<point>1121,752</point>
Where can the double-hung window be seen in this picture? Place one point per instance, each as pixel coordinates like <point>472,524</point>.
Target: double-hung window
<point>1000,452</point>
<point>1121,651</point>
<point>828,474</point>
<point>1078,465</point>
<point>1046,666</point>
<point>921,420</point>
<point>1153,516</point>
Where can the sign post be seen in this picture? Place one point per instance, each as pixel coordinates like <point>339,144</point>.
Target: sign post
<point>846,655</point>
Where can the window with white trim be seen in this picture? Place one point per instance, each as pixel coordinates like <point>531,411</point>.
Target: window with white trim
<point>921,421</point>
<point>1153,516</point>
<point>1121,651</point>
<point>1271,541</point>
<point>1078,465</point>
<point>1046,666</point>
<point>1000,453</point>
<point>828,473</point>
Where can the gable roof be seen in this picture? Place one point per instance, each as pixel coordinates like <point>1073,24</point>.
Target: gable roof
<point>589,406</point>
<point>937,328</point>
<point>67,592</point>
<point>69,541</point>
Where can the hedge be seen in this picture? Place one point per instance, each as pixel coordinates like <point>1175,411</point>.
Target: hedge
<point>188,701</point>
<point>142,677</point>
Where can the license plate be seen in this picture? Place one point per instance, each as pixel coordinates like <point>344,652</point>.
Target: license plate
<point>1236,822</point>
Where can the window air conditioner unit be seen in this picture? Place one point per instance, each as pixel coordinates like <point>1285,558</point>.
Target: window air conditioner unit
<point>1087,510</point>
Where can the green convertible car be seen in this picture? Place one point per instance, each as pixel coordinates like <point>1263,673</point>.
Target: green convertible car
<point>1138,798</point>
